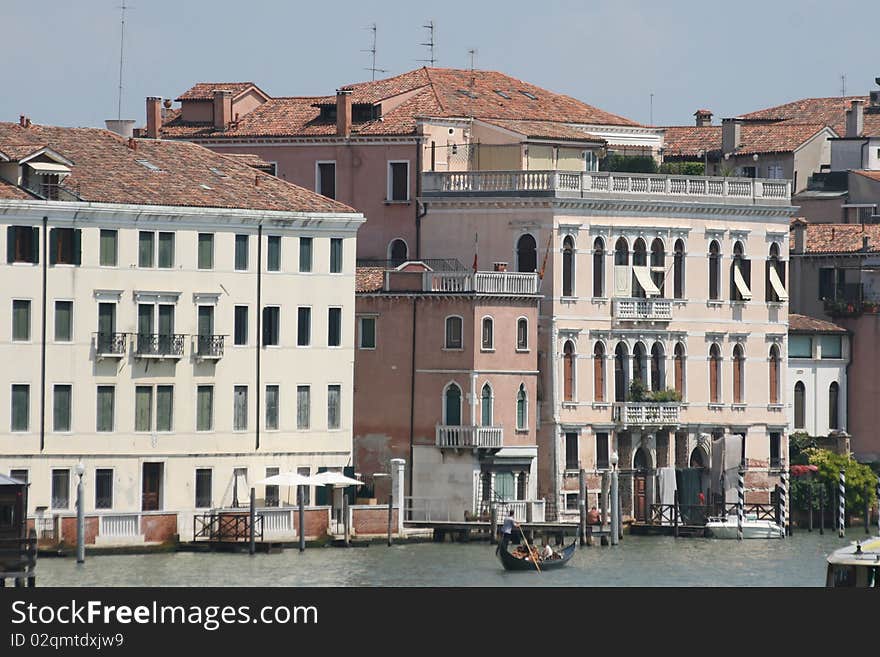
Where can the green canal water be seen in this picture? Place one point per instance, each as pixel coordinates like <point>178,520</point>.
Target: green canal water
<point>637,561</point>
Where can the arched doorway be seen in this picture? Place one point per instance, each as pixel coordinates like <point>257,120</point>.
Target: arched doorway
<point>526,254</point>
<point>452,405</point>
<point>641,465</point>
<point>397,252</point>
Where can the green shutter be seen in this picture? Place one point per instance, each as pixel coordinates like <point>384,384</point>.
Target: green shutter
<point>164,407</point>
<point>204,408</point>
<point>77,246</point>
<point>35,246</point>
<point>53,246</point>
<point>10,244</point>
<point>61,408</point>
<point>142,411</point>
<point>105,408</point>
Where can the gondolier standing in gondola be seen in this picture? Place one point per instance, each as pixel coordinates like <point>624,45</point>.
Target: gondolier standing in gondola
<point>506,530</point>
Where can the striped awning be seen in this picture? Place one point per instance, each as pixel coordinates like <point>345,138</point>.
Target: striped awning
<point>643,276</point>
<point>778,286</point>
<point>49,168</point>
<point>740,283</point>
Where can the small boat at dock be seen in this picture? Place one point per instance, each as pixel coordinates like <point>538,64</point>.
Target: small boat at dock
<point>512,562</point>
<point>751,527</point>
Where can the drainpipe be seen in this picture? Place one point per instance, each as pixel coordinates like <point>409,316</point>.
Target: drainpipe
<point>412,397</point>
<point>259,316</point>
<point>43,338</point>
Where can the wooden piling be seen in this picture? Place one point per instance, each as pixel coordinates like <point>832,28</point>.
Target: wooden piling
<point>675,512</point>
<point>345,523</point>
<point>822,510</point>
<point>302,518</point>
<point>390,516</point>
<point>252,548</point>
<point>493,539</point>
<point>582,505</point>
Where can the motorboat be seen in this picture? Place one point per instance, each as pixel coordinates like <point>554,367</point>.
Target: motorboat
<point>751,527</point>
<point>856,565</point>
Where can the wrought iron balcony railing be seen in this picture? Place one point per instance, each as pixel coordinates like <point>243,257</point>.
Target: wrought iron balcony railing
<point>159,345</point>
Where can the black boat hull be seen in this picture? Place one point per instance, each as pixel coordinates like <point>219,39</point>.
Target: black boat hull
<point>511,562</point>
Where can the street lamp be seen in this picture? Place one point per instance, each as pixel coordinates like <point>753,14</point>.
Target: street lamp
<point>80,515</point>
<point>615,501</point>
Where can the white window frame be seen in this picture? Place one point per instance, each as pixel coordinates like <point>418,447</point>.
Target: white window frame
<point>247,410</point>
<point>341,327</point>
<point>280,269</point>
<point>460,401</point>
<point>308,426</point>
<point>30,387</point>
<point>112,486</point>
<point>390,182</point>
<point>360,328</point>
<point>213,418</point>
<point>525,349</point>
<point>213,250</point>
<point>30,321</point>
<point>247,325</point>
<point>113,419</point>
<point>277,384</point>
<point>318,176</point>
<point>341,426</point>
<point>446,336</point>
<point>491,346</point>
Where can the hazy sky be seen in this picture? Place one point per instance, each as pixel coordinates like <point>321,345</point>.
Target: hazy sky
<point>63,55</point>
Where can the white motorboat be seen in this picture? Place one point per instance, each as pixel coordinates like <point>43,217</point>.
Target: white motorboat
<point>857,564</point>
<point>752,527</point>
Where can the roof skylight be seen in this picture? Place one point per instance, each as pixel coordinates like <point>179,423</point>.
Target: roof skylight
<point>528,94</point>
<point>502,94</point>
<point>148,165</point>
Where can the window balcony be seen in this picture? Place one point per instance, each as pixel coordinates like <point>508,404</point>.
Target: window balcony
<point>643,310</point>
<point>110,345</point>
<point>647,414</point>
<point>208,347</point>
<point>154,345</point>
<point>468,437</point>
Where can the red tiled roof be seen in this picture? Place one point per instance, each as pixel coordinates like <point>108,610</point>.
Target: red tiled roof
<point>10,191</point>
<point>827,111</point>
<point>871,125</point>
<point>252,160</point>
<point>545,129</point>
<point>369,279</point>
<point>840,238</point>
<point>106,170</point>
<point>755,138</point>
<point>205,90</point>
<point>873,175</point>
<point>803,324</point>
<point>691,141</point>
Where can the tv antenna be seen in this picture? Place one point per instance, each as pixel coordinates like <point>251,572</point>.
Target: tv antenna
<point>372,51</point>
<point>123,7</point>
<point>429,44</point>
<point>843,84</point>
<point>651,115</point>
<point>472,54</point>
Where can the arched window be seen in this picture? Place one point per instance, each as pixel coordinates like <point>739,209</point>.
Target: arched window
<point>740,274</point>
<point>621,252</point>
<point>640,259</point>
<point>640,364</point>
<point>620,372</point>
<point>488,339</point>
<point>452,405</point>
<point>486,406</point>
<point>658,264</point>
<point>599,372</point>
<point>526,254</point>
<point>775,265</point>
<point>800,400</point>
<point>568,371</point>
<point>715,374</point>
<point>522,333</point>
<point>598,268</point>
<point>453,333</point>
<point>714,270</point>
<point>739,362</point>
<point>774,374</point>
<point>678,270</point>
<point>658,371</point>
<point>679,369</point>
<point>521,407</point>
<point>568,267</point>
<point>833,406</point>
<point>397,252</point>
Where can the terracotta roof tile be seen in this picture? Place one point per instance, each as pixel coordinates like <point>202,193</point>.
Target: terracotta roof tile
<point>841,238</point>
<point>873,175</point>
<point>369,279</point>
<point>10,191</point>
<point>688,141</point>
<point>545,130</point>
<point>827,111</point>
<point>205,90</point>
<point>803,324</point>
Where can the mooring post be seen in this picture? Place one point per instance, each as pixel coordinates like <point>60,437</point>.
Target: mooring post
<point>615,502</point>
<point>492,525</point>
<point>302,518</point>
<point>80,516</point>
<point>740,503</point>
<point>841,505</point>
<point>868,510</point>
<point>390,516</point>
<point>582,504</point>
<point>786,520</point>
<point>345,521</point>
<point>32,558</point>
<point>810,507</point>
<point>253,521</point>
<point>822,510</point>
<point>674,513</point>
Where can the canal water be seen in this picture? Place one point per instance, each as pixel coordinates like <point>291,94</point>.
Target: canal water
<point>637,561</point>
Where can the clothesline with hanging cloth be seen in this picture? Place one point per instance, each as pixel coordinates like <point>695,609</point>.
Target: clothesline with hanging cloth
<point>778,285</point>
<point>741,285</point>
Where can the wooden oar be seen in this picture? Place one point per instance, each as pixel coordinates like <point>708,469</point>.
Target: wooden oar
<point>529,548</point>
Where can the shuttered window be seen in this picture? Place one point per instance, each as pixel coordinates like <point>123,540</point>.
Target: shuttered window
<point>240,406</point>
<point>22,244</point>
<point>20,407</point>
<point>164,408</point>
<point>65,245</point>
<point>273,253</point>
<point>206,251</point>
<point>241,325</point>
<point>105,409</point>
<point>303,407</point>
<point>204,408</point>
<point>305,254</point>
<point>333,406</point>
<point>241,252</point>
<point>271,407</point>
<point>303,327</point>
<point>143,408</point>
<point>334,327</point>
<point>21,320</point>
<point>166,250</point>
<point>61,399</point>
<point>146,248</point>
<point>63,321</point>
<point>108,248</point>
<point>204,477</point>
<point>103,488</point>
<point>599,372</point>
<point>335,255</point>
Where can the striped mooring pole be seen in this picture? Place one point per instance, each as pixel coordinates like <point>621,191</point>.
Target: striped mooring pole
<point>740,491</point>
<point>841,504</point>
<point>783,501</point>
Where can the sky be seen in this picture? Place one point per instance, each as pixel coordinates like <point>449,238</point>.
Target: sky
<point>735,57</point>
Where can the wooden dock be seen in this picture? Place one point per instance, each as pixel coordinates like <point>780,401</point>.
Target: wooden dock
<point>685,531</point>
<point>463,531</point>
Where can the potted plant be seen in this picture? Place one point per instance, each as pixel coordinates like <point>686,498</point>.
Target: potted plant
<point>637,391</point>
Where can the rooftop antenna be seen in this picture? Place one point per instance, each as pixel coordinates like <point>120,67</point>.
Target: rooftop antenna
<point>372,51</point>
<point>123,7</point>
<point>651,116</point>
<point>472,53</point>
<point>843,84</point>
<point>429,44</point>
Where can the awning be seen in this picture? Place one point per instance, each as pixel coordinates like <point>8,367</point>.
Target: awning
<point>740,283</point>
<point>778,287</point>
<point>49,168</point>
<point>643,276</point>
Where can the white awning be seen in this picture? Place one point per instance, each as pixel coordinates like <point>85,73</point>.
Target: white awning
<point>643,276</point>
<point>740,283</point>
<point>49,168</point>
<point>778,287</point>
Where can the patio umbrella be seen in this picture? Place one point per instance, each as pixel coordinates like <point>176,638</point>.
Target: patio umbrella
<point>333,479</point>
<point>286,479</point>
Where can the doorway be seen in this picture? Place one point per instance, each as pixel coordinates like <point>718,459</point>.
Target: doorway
<point>151,496</point>
<point>640,485</point>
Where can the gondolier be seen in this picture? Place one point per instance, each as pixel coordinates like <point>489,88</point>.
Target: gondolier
<point>506,530</point>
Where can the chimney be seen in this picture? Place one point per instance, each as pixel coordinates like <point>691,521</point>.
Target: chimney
<point>855,118</point>
<point>500,266</point>
<point>154,116</point>
<point>799,227</point>
<point>731,131</point>
<point>866,243</point>
<point>132,143</point>
<point>22,121</point>
<point>703,118</point>
<point>222,108</point>
<point>343,112</point>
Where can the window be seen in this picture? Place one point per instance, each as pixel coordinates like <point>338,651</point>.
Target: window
<point>679,369</point>
<point>453,333</point>
<point>103,488</point>
<point>303,327</point>
<point>271,326</point>
<point>23,244</point>
<point>143,408</point>
<point>166,250</point>
<point>203,488</point>
<point>621,372</point>
<point>305,254</point>
<point>640,363</point>
<point>146,248</point>
<point>833,405</point>
<point>521,408</point>
<point>204,408</point>
<point>326,179</point>
<point>826,283</point>
<point>60,489</point>
<point>800,346</point>
<point>241,325</point>
<point>740,275</point>
<point>272,498</point>
<point>571,501</point>
<point>572,462</point>
<point>738,374</point>
<point>397,252</point>
<point>272,392</point>
<point>831,346</point>
<point>206,250</point>
<point>108,248</point>
<point>334,327</point>
<point>21,320</point>
<point>602,451</point>
<point>774,374</point>
<point>640,261</point>
<point>678,270</point>
<point>367,332</point>
<point>714,374</point>
<point>658,369</point>
<point>714,270</point>
<point>335,255</point>
<point>799,405</point>
<point>774,284</point>
<point>240,408</point>
<point>164,408</point>
<point>774,171</point>
<point>398,181</point>
<point>241,252</point>
<point>65,246</point>
<point>487,342</point>
<point>106,408</point>
<point>658,265</point>
<point>486,406</point>
<point>775,450</point>
<point>273,253</point>
<point>598,268</point>
<point>599,372</point>
<point>63,321</point>
<point>568,368</point>
<point>19,475</point>
<point>61,407</point>
<point>526,254</point>
<point>20,407</point>
<point>452,405</point>
<point>334,412</point>
<point>303,407</point>
<point>522,334</point>
<point>567,267</point>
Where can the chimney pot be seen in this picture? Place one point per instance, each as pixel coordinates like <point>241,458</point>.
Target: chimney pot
<point>222,108</point>
<point>22,120</point>
<point>866,242</point>
<point>132,143</point>
<point>343,112</point>
<point>154,116</point>
<point>855,118</point>
<point>703,118</point>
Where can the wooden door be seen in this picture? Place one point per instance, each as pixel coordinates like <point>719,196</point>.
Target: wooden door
<point>152,487</point>
<point>640,499</point>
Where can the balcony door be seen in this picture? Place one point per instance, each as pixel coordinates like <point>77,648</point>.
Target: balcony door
<point>106,325</point>
<point>146,318</point>
<point>452,405</point>
<point>206,328</point>
<point>166,328</point>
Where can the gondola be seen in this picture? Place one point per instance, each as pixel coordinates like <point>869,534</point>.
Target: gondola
<point>511,562</point>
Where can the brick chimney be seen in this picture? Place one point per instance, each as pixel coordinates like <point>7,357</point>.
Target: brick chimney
<point>703,118</point>
<point>154,116</point>
<point>222,108</point>
<point>855,118</point>
<point>799,228</point>
<point>343,112</point>
<point>731,135</point>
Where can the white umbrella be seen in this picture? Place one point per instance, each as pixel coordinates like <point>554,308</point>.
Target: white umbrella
<point>333,479</point>
<point>286,479</point>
